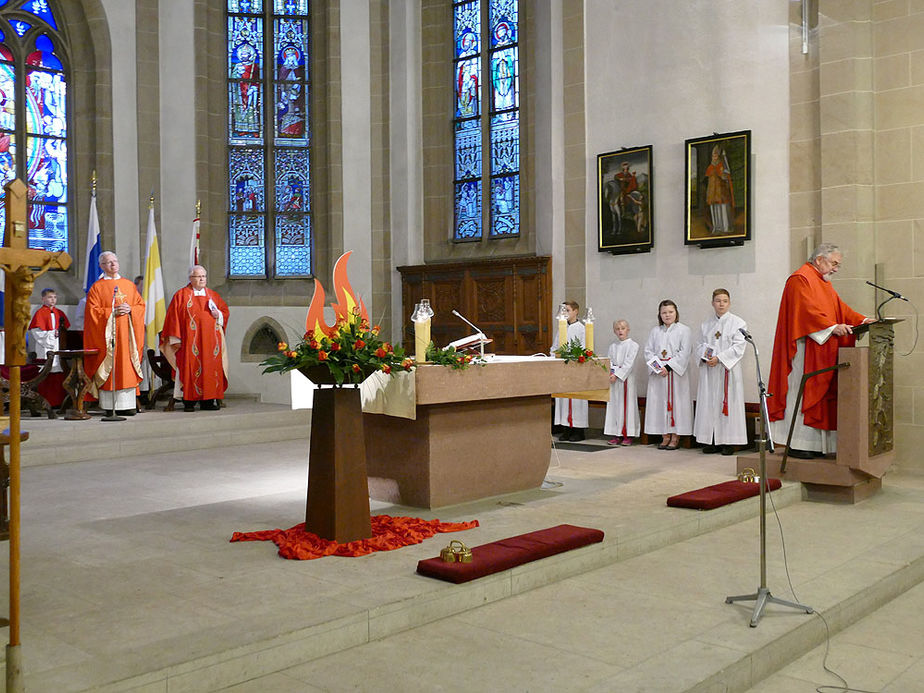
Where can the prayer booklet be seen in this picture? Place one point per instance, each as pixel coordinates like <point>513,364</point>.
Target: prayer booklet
<point>708,353</point>
<point>655,365</point>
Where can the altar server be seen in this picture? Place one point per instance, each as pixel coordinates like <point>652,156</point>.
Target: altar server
<point>669,407</point>
<point>622,420</point>
<point>719,423</point>
<point>45,326</point>
<point>572,413</point>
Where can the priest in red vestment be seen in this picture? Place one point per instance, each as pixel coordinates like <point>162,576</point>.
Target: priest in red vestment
<point>44,332</point>
<point>193,341</point>
<point>813,324</point>
<point>114,306</point>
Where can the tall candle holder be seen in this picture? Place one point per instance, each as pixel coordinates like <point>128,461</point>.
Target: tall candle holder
<point>421,317</point>
<point>589,330</point>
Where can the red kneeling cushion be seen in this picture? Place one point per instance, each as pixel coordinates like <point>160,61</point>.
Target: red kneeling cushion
<point>508,553</point>
<point>719,494</point>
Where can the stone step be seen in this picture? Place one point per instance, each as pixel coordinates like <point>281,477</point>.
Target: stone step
<point>242,421</point>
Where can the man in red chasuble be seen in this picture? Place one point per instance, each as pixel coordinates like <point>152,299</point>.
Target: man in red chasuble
<point>813,323</point>
<point>114,306</point>
<point>193,341</point>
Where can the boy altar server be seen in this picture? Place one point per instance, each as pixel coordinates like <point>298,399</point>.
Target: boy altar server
<point>43,330</point>
<point>622,419</point>
<point>719,423</point>
<point>572,414</point>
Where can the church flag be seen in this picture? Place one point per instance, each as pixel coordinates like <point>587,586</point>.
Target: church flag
<point>194,242</point>
<point>155,305</point>
<point>91,270</point>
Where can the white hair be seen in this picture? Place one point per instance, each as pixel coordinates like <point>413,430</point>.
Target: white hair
<point>824,250</point>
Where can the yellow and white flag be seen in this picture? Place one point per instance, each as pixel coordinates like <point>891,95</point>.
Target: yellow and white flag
<point>155,305</point>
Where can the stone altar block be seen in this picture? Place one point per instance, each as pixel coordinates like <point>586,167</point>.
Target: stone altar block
<point>478,433</point>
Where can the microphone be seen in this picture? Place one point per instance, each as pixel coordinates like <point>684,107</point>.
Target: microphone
<point>745,334</point>
<point>469,323</point>
<point>893,294</point>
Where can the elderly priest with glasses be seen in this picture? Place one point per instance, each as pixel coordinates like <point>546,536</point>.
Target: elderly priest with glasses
<point>813,324</point>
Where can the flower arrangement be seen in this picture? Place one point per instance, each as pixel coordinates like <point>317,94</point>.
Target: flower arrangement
<point>450,357</point>
<point>574,352</point>
<point>351,352</point>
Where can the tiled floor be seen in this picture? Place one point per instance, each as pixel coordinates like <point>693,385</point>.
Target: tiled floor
<point>130,583</point>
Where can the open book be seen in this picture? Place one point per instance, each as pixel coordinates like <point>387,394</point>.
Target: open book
<point>472,341</point>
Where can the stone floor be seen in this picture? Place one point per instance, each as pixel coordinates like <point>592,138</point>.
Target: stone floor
<point>130,583</point>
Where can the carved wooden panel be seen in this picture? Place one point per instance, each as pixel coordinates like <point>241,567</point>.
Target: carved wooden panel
<point>508,299</point>
<point>881,383</point>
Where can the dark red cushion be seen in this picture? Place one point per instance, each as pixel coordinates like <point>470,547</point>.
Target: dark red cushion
<point>507,553</point>
<point>720,494</point>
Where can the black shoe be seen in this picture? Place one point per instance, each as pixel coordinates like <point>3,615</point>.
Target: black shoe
<point>557,429</point>
<point>189,405</point>
<point>125,412</point>
<point>710,449</point>
<point>565,436</point>
<point>208,405</point>
<point>728,449</point>
<point>576,434</point>
<point>801,454</point>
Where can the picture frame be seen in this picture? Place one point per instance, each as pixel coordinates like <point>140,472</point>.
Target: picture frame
<point>718,190</point>
<point>624,201</point>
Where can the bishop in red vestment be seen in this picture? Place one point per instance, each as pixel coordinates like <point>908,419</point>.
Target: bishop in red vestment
<point>193,340</point>
<point>114,306</point>
<point>813,324</point>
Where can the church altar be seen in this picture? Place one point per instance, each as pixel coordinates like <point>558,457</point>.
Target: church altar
<point>476,433</point>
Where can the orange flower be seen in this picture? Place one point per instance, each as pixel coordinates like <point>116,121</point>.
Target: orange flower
<point>359,344</point>
<point>388,347</point>
<point>322,356</point>
<point>376,329</point>
<point>581,358</point>
<point>291,354</point>
<point>406,364</point>
<point>381,353</point>
<point>335,346</point>
<point>386,369</point>
<point>282,346</point>
<point>313,344</point>
<point>356,368</point>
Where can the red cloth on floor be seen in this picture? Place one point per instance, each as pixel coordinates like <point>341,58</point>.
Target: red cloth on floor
<point>388,533</point>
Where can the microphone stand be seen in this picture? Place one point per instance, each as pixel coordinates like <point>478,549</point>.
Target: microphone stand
<point>115,355</point>
<point>478,332</point>
<point>762,597</point>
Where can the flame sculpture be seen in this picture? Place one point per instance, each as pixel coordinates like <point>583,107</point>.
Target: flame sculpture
<point>346,303</point>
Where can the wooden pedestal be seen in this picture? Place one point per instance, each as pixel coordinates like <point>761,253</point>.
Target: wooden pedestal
<point>338,490</point>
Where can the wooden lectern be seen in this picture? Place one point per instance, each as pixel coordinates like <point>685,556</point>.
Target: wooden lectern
<point>864,427</point>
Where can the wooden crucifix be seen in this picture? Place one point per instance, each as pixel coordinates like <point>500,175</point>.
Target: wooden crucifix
<point>22,265</point>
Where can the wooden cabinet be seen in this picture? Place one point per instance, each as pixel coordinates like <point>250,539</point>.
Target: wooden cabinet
<point>508,299</point>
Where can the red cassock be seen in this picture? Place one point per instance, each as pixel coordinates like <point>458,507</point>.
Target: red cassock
<point>201,357</point>
<point>129,342</point>
<point>51,388</point>
<point>809,304</point>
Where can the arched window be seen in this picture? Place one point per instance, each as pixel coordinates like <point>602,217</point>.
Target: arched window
<point>34,112</point>
<point>486,28</point>
<point>269,193</point>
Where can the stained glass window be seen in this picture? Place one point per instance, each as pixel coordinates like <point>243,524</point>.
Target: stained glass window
<point>486,71</point>
<point>33,112</point>
<point>269,138</point>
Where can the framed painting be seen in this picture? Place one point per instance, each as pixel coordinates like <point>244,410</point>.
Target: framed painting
<point>718,190</point>
<point>624,204</point>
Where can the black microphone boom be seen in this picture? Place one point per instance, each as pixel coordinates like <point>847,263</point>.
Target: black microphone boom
<point>745,333</point>
<point>893,294</point>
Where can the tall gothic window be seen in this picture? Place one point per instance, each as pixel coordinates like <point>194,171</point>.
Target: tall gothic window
<point>33,110</point>
<point>486,41</point>
<point>269,138</point>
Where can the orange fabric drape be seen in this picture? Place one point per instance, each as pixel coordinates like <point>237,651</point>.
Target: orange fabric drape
<point>388,533</point>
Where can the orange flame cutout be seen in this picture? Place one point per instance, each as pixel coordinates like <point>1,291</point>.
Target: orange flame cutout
<point>346,301</point>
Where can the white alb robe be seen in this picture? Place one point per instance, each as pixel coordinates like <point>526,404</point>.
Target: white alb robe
<point>572,412</point>
<point>669,405</point>
<point>722,386</point>
<point>622,417</point>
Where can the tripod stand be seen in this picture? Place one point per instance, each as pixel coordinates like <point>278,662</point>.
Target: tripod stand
<point>762,597</point>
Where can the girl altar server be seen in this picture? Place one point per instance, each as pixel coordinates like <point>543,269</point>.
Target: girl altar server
<point>669,407</point>
<point>572,414</point>
<point>719,423</point>
<point>622,419</point>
